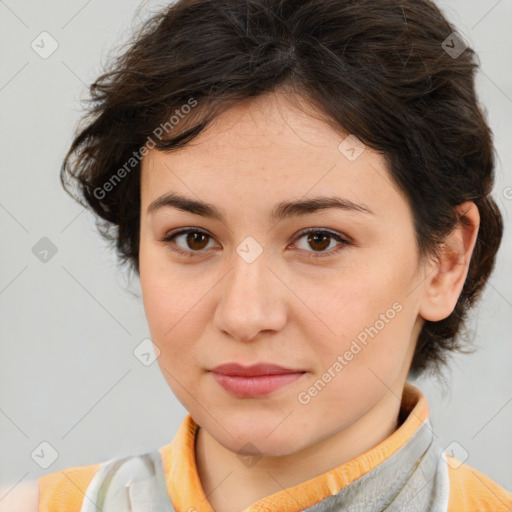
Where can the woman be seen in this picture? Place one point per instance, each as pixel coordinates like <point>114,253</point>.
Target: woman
<point>303,189</point>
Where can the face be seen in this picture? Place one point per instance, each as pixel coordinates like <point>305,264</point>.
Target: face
<point>339,304</point>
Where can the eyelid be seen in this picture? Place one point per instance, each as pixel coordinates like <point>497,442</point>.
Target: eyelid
<point>333,233</point>
<point>182,231</point>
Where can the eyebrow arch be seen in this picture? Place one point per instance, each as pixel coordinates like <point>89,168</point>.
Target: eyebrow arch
<point>280,211</point>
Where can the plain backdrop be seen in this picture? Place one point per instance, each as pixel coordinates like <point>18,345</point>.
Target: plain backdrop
<point>71,390</point>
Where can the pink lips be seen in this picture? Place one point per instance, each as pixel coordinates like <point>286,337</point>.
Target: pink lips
<point>255,380</point>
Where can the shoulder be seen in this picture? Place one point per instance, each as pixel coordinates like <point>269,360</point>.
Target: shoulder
<point>23,497</point>
<point>65,489</point>
<point>471,490</point>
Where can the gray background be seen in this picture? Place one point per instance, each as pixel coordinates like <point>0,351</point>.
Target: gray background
<point>68,328</point>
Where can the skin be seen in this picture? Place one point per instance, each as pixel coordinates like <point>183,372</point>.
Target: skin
<point>21,497</point>
<point>284,307</point>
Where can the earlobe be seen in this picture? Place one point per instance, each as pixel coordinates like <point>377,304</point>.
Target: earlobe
<point>446,276</point>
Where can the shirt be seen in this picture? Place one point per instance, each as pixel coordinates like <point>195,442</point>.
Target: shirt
<point>406,471</point>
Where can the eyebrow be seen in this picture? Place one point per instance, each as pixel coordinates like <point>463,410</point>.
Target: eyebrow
<point>280,211</point>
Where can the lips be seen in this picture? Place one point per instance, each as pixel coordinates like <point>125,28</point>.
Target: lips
<point>237,370</point>
<point>254,381</point>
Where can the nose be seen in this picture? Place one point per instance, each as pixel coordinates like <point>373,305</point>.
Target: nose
<point>252,300</point>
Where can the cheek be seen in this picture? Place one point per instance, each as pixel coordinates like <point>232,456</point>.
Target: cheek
<point>171,324</point>
<point>169,310</point>
<point>161,296</point>
<point>174,305</point>
<point>370,317</point>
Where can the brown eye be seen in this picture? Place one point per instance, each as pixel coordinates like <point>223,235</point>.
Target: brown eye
<point>196,240</point>
<point>193,241</point>
<point>319,240</point>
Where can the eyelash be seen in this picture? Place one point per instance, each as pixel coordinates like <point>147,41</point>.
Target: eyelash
<point>310,254</point>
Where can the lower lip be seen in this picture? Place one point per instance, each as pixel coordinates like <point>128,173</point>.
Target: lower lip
<point>252,387</point>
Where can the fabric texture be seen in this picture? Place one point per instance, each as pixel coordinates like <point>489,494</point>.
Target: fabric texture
<point>135,484</point>
<point>407,471</point>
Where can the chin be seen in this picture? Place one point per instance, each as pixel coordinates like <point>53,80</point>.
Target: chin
<point>250,437</point>
<point>263,447</point>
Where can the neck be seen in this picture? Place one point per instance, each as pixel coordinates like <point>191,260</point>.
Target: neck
<point>231,485</point>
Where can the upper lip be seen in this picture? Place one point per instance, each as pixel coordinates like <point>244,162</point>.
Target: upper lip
<point>236,369</point>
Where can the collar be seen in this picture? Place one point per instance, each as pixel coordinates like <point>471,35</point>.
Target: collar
<point>185,489</point>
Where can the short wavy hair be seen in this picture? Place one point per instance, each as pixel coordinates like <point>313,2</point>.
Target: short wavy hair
<point>381,70</point>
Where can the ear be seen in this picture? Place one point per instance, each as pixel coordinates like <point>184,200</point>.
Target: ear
<point>447,274</point>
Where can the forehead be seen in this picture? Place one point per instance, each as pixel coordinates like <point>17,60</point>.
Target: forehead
<point>270,147</point>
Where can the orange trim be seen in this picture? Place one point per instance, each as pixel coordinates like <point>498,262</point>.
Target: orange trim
<point>471,490</point>
<point>64,490</point>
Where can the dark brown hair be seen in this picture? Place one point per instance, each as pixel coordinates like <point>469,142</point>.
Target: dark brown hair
<point>377,69</point>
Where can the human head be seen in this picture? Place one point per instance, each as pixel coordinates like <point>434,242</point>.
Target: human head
<point>375,69</point>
